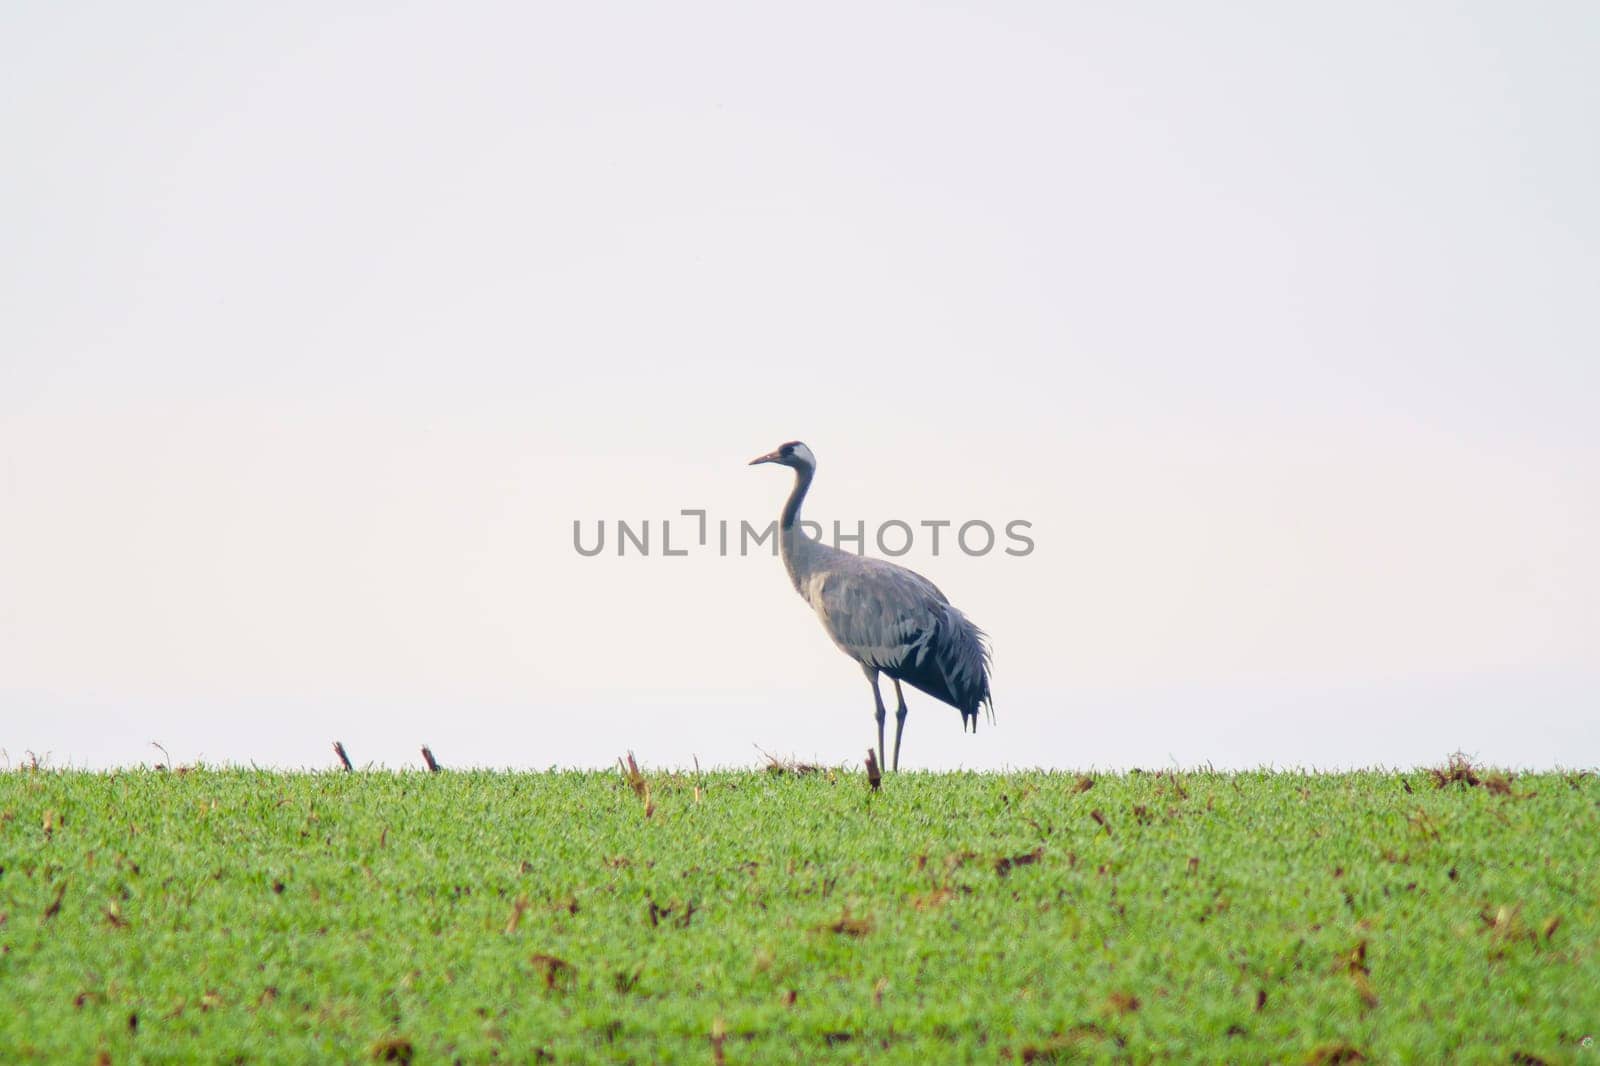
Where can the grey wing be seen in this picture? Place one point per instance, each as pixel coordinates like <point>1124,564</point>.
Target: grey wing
<point>881,616</point>
<point>897,621</point>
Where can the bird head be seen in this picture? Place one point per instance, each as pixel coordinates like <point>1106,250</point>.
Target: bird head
<point>792,454</point>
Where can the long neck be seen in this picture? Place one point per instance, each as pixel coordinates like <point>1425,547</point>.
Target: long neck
<point>792,540</point>
<point>791,509</point>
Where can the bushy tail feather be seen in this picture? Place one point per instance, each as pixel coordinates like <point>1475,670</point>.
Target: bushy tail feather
<point>953,664</point>
<point>986,666</point>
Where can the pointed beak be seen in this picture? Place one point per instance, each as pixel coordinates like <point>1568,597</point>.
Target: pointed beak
<point>770,457</point>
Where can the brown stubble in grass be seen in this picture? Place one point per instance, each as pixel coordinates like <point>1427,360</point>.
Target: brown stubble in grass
<point>557,975</point>
<point>778,767</point>
<point>1459,770</point>
<point>719,1036</point>
<point>636,781</point>
<point>519,907</point>
<point>1006,863</point>
<point>1355,964</point>
<point>847,925</point>
<point>394,1049</point>
<point>55,904</point>
<point>1122,1002</point>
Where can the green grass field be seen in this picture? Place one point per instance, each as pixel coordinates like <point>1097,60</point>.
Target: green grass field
<point>239,916</point>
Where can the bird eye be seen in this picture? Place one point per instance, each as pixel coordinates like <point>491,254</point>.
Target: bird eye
<point>788,449</point>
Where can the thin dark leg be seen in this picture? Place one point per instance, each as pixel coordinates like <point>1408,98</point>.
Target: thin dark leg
<point>899,722</point>
<point>882,713</point>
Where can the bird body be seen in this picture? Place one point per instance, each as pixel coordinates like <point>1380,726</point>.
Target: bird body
<point>889,619</point>
<point>896,620</point>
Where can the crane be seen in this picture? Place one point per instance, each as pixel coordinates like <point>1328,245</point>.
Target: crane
<point>889,619</point>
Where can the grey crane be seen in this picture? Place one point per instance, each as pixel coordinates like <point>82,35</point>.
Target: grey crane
<point>889,619</point>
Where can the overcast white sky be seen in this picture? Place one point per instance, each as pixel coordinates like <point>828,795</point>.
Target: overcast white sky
<point>318,331</point>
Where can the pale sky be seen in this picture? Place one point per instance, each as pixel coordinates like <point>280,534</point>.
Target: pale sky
<point>318,331</point>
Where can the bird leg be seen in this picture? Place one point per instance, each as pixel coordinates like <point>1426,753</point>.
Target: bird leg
<point>899,722</point>
<point>877,698</point>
